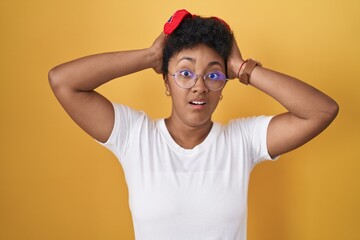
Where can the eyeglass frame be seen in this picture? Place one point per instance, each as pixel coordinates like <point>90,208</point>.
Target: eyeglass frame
<point>196,77</point>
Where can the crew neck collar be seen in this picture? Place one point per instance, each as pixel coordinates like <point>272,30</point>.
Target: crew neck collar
<point>177,148</point>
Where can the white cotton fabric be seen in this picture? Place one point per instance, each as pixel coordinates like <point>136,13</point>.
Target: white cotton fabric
<point>187,194</point>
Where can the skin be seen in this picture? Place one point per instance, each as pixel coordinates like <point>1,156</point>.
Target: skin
<point>309,111</point>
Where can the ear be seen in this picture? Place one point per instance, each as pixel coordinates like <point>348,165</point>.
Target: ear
<point>166,82</point>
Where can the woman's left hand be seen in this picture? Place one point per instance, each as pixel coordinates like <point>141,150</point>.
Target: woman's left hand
<point>234,61</point>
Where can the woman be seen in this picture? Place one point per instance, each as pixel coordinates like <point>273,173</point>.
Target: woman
<point>188,176</point>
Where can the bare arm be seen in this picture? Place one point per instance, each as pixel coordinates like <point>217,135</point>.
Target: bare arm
<point>73,84</point>
<point>309,110</point>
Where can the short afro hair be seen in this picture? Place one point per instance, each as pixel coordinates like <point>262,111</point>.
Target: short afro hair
<point>198,30</point>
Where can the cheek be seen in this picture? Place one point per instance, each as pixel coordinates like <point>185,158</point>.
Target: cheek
<point>178,95</point>
<point>216,96</point>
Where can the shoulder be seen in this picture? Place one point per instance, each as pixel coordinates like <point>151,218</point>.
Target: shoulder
<point>247,129</point>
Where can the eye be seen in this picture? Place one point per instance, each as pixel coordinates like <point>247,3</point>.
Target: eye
<point>186,74</point>
<point>217,75</point>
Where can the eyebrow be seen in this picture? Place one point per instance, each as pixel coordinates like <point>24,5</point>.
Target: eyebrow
<point>212,63</point>
<point>186,58</point>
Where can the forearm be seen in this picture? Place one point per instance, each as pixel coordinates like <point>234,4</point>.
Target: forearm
<point>88,73</point>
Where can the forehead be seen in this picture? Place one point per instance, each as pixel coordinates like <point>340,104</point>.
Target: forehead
<point>200,54</point>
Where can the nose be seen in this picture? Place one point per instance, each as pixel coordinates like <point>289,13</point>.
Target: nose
<point>200,86</point>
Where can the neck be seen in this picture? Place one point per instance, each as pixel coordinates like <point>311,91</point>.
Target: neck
<point>188,136</point>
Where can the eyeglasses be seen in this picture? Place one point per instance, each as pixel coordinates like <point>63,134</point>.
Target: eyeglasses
<point>214,81</point>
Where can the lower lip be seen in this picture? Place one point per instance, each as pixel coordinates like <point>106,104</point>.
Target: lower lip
<point>198,107</point>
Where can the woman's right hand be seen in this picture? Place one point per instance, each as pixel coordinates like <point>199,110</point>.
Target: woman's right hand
<point>157,49</point>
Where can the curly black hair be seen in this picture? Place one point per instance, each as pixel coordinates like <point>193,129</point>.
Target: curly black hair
<point>197,30</point>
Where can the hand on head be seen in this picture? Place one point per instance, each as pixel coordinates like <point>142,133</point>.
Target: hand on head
<point>234,61</point>
<point>157,49</point>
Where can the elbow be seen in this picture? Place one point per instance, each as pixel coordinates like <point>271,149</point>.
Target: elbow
<point>331,111</point>
<point>56,79</point>
<point>53,78</point>
<point>334,109</point>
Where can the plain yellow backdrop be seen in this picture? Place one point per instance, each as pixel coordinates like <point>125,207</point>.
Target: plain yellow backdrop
<point>57,183</point>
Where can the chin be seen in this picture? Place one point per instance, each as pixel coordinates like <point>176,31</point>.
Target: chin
<point>198,122</point>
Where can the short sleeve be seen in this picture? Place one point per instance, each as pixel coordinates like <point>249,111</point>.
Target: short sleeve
<point>125,119</point>
<point>253,134</point>
<point>259,139</point>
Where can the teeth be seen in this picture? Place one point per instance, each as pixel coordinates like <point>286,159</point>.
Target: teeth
<point>197,103</point>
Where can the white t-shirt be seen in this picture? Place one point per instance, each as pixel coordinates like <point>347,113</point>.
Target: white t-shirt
<point>187,194</point>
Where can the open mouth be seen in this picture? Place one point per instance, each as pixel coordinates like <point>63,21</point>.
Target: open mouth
<point>197,102</point>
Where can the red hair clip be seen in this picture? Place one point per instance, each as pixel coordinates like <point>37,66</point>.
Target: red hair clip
<point>175,20</point>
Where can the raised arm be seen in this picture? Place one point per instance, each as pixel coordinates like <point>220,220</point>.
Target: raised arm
<point>309,110</point>
<point>73,84</point>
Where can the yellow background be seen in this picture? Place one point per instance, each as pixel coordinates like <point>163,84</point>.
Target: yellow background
<point>58,183</point>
